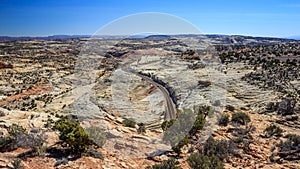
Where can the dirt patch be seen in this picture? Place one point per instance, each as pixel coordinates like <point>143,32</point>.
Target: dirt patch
<point>36,90</point>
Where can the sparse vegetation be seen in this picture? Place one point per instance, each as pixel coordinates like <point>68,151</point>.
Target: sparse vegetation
<point>141,128</point>
<point>72,135</point>
<point>16,130</point>
<point>272,65</point>
<point>273,130</point>
<point>167,124</point>
<point>288,149</point>
<point>230,108</point>
<point>223,120</point>
<point>198,124</point>
<point>181,143</point>
<point>201,113</point>
<point>19,137</point>
<point>178,130</point>
<point>292,143</point>
<point>17,164</point>
<point>200,161</point>
<point>287,106</point>
<point>240,118</point>
<point>129,123</point>
<point>220,148</point>
<point>169,164</point>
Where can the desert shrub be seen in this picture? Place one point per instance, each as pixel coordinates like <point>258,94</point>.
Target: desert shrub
<point>169,164</point>
<point>189,52</point>
<point>200,161</point>
<point>129,123</point>
<point>203,109</point>
<point>203,84</point>
<point>186,124</point>
<point>273,130</point>
<point>177,130</point>
<point>198,124</point>
<point>292,143</point>
<point>5,143</point>
<point>72,135</point>
<point>35,141</point>
<point>241,118</point>
<point>223,120</point>
<point>11,142</point>
<point>167,124</point>
<point>177,148</point>
<point>201,113</point>
<point>141,128</point>
<point>221,148</point>
<point>17,164</point>
<point>49,123</point>
<point>287,106</point>
<point>15,130</point>
<point>272,106</point>
<point>19,137</point>
<point>293,137</point>
<point>230,108</point>
<point>97,135</point>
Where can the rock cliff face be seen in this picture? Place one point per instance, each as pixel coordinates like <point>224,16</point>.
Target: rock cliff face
<point>233,74</point>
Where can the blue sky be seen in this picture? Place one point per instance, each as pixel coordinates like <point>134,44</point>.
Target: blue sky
<point>277,18</point>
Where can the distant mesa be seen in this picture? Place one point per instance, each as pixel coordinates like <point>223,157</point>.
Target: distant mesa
<point>54,37</point>
<point>214,39</point>
<point>150,37</point>
<point>158,37</point>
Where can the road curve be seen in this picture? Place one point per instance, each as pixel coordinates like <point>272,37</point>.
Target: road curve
<point>170,106</point>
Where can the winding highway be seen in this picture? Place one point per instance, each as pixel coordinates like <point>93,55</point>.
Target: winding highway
<point>170,106</point>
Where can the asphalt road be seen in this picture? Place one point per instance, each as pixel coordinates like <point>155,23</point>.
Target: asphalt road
<point>170,106</point>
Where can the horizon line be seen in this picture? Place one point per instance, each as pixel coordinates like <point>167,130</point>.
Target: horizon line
<point>87,35</point>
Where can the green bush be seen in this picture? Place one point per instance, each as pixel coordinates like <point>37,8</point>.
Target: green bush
<point>167,124</point>
<point>200,161</point>
<point>293,137</point>
<point>19,137</point>
<point>176,131</point>
<point>241,118</point>
<point>223,120</point>
<point>181,143</point>
<point>292,143</point>
<point>5,143</point>
<point>219,148</point>
<point>72,135</point>
<point>35,141</point>
<point>141,128</point>
<point>17,164</point>
<point>272,106</point>
<point>15,130</point>
<point>11,142</point>
<point>129,123</point>
<point>169,164</point>
<point>230,108</point>
<point>273,130</point>
<point>198,124</point>
<point>187,123</point>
